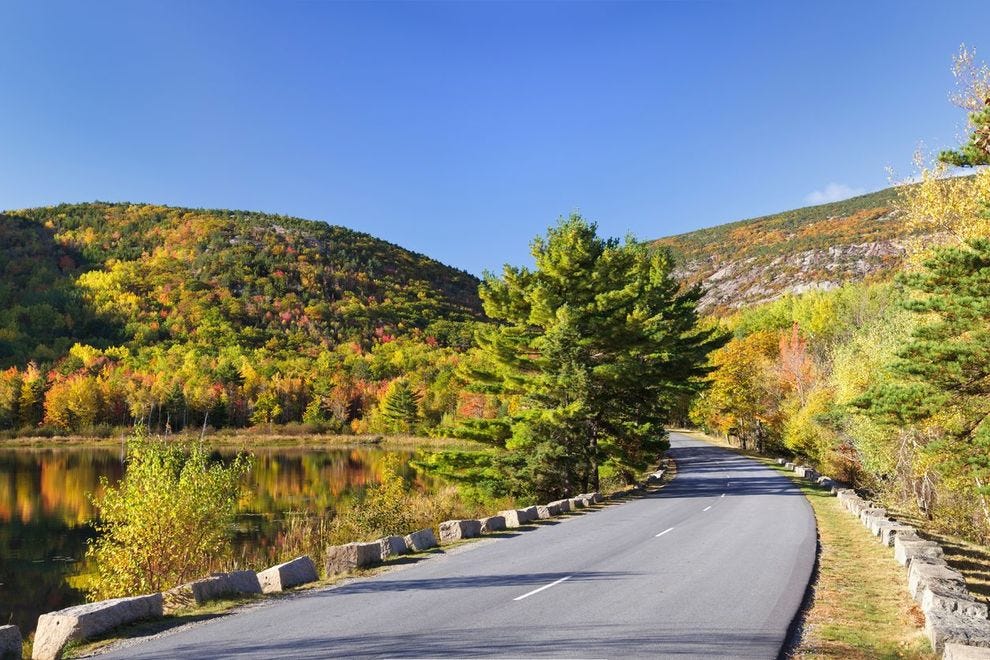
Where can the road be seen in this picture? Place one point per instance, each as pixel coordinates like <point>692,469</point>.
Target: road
<point>714,565</point>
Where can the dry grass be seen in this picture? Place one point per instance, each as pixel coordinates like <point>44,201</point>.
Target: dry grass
<point>861,606</point>
<point>970,559</point>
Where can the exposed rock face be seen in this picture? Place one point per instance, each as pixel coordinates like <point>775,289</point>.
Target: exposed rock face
<point>300,570</point>
<point>455,530</point>
<point>81,622</point>
<point>423,539</point>
<point>351,556</point>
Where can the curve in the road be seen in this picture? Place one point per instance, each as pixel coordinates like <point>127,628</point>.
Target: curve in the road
<point>715,564</point>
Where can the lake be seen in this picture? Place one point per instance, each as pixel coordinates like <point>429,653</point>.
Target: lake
<point>45,511</point>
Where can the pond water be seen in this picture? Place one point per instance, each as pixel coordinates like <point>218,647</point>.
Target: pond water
<point>45,511</point>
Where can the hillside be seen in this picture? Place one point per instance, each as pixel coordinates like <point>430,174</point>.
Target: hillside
<point>141,275</point>
<point>817,247</point>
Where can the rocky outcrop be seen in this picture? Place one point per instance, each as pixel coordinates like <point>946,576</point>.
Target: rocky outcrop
<point>56,629</point>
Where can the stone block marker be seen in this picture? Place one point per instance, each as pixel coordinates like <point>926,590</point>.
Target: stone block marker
<point>351,556</point>
<point>392,545</point>
<point>890,529</point>
<point>56,629</point>
<point>922,573</point>
<point>423,539</point>
<point>553,508</point>
<point>565,505</point>
<point>210,588</point>
<point>955,651</point>
<point>577,503</point>
<point>907,548</point>
<point>10,642</point>
<point>492,524</point>
<point>455,530</point>
<point>949,597</point>
<point>781,461</point>
<point>944,628</point>
<point>543,512</point>
<point>241,582</point>
<point>531,513</point>
<point>790,466</point>
<point>290,574</point>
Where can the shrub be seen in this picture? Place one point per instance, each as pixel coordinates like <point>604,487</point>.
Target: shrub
<point>168,521</point>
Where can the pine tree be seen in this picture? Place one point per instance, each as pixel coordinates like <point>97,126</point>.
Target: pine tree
<point>590,352</point>
<point>939,388</point>
<point>399,408</point>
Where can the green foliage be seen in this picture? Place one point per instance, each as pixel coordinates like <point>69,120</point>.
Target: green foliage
<point>384,510</point>
<point>168,521</point>
<point>177,317</point>
<point>939,386</point>
<point>763,258</point>
<point>590,353</point>
<point>399,408</point>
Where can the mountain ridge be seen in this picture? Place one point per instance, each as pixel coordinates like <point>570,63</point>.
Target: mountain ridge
<point>756,260</point>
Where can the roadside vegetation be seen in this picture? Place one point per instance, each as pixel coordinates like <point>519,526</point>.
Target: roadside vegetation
<point>860,608</point>
<point>884,385</point>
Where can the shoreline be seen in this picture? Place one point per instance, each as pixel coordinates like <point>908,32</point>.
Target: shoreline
<point>248,441</point>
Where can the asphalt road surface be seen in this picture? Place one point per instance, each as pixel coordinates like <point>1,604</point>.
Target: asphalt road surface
<point>714,565</point>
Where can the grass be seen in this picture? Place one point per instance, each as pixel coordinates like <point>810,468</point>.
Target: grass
<point>970,559</point>
<point>860,606</point>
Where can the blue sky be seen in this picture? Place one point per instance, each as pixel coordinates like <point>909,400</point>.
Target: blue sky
<point>463,129</point>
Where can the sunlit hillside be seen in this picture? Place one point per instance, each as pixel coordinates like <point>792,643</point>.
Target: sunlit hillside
<point>816,247</point>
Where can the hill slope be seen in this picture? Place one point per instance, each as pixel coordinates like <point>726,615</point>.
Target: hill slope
<point>144,275</point>
<point>817,247</point>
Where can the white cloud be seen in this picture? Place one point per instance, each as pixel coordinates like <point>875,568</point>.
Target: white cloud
<point>833,192</point>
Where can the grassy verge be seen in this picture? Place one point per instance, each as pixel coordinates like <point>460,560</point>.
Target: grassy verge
<point>860,606</point>
<point>970,559</point>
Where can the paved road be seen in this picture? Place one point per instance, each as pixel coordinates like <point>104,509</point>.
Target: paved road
<point>715,564</point>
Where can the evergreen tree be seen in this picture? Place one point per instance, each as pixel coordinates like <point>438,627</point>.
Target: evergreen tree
<point>939,388</point>
<point>399,408</point>
<point>589,354</point>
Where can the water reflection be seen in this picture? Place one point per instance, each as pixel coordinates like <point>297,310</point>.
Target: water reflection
<point>45,512</point>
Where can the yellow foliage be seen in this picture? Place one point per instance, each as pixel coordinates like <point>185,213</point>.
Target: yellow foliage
<point>952,206</point>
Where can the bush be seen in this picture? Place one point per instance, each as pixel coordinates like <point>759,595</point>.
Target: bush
<point>168,521</point>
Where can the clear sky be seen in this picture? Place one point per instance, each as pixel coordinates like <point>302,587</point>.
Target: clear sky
<point>463,129</point>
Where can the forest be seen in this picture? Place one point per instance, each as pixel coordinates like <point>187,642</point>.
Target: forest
<point>116,313</point>
<point>884,384</point>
